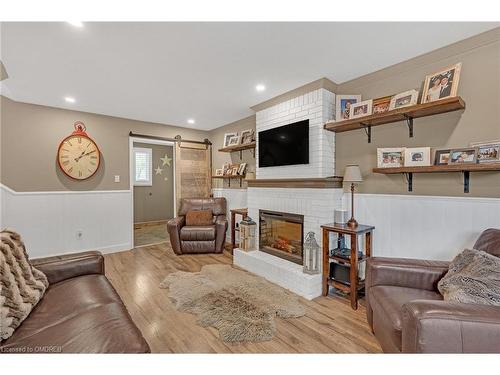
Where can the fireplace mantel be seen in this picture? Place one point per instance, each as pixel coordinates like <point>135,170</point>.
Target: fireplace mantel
<point>315,183</point>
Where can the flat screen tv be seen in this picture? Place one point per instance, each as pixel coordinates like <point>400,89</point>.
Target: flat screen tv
<point>286,145</point>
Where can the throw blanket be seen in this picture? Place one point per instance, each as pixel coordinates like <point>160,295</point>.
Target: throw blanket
<point>473,277</point>
<point>21,284</point>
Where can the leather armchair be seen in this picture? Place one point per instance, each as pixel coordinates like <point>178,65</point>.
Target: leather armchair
<point>199,239</point>
<point>407,313</point>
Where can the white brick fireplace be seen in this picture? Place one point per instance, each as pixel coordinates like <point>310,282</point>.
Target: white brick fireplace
<point>316,204</point>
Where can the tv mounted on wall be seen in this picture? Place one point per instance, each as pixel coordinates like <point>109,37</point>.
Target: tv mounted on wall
<point>285,145</point>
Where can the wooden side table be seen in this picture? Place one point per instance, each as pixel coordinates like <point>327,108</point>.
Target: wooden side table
<point>353,261</point>
<point>236,211</point>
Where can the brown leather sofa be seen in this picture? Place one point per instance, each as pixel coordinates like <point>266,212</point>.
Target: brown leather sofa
<point>407,314</point>
<point>199,239</point>
<point>79,313</point>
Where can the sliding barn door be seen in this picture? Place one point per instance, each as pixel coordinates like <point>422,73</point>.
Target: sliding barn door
<point>193,170</point>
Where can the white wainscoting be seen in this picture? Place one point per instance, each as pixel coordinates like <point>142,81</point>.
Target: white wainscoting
<point>49,221</point>
<point>425,227</point>
<point>236,198</point>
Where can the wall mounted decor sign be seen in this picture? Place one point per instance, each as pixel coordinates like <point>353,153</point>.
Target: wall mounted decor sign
<point>247,136</point>
<point>442,84</point>
<point>361,109</point>
<point>78,155</point>
<point>404,99</point>
<point>417,156</point>
<point>390,157</point>
<point>343,104</point>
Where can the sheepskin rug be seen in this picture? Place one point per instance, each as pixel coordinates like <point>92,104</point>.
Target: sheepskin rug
<point>240,305</point>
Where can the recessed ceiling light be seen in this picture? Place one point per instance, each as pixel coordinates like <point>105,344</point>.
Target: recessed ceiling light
<point>76,23</point>
<point>191,121</point>
<point>69,99</point>
<point>260,87</point>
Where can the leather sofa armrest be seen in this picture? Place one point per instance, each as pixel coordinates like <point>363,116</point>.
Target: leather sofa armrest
<point>449,327</point>
<point>174,227</point>
<point>410,273</point>
<point>221,228</point>
<point>59,268</point>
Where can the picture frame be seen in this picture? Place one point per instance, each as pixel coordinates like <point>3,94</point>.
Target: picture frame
<point>226,169</point>
<point>488,153</point>
<point>404,99</point>
<point>417,156</point>
<point>242,168</point>
<point>381,105</point>
<point>361,109</point>
<point>343,104</point>
<point>466,155</point>
<point>234,171</point>
<point>227,137</point>
<point>442,84</point>
<point>442,157</point>
<point>247,136</point>
<point>390,157</point>
<point>219,172</point>
<point>233,141</point>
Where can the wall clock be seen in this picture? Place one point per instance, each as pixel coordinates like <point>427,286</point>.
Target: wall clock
<point>78,155</point>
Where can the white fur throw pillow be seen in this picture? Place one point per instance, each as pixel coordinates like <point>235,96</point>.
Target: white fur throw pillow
<point>21,284</point>
<point>473,277</point>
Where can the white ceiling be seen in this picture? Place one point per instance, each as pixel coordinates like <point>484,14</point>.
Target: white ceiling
<point>169,72</point>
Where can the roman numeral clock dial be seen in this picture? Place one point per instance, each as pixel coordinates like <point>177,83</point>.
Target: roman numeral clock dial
<point>78,155</point>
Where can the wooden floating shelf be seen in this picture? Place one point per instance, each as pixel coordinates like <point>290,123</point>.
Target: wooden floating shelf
<point>402,114</point>
<point>461,168</point>
<point>247,146</point>
<point>229,178</point>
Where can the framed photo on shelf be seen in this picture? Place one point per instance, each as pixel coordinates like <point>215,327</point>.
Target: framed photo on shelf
<point>390,157</point>
<point>442,157</point>
<point>234,141</point>
<point>404,99</point>
<point>361,109</point>
<point>225,169</point>
<point>488,153</point>
<point>381,105</point>
<point>242,168</point>
<point>234,170</point>
<point>227,137</point>
<point>442,84</point>
<point>343,105</point>
<point>219,172</point>
<point>247,136</point>
<point>463,156</point>
<point>417,156</point>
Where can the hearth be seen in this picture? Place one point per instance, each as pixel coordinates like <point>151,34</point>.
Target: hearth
<point>281,234</point>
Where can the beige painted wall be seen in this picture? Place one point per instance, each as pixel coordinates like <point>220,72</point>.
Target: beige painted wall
<point>30,135</point>
<point>156,202</point>
<point>219,158</point>
<point>479,87</point>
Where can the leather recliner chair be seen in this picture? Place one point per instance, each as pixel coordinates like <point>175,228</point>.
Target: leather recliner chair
<point>408,314</point>
<point>199,239</point>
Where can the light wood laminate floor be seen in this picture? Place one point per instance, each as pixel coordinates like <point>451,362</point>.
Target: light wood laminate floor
<point>329,326</point>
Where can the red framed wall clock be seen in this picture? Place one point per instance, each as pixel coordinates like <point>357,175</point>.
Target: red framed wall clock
<point>78,155</point>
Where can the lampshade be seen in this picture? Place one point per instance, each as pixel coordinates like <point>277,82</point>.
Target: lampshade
<point>352,174</point>
<point>3,72</point>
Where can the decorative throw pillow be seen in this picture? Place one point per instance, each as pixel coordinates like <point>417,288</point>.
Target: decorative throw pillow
<point>199,218</point>
<point>21,284</point>
<point>473,277</point>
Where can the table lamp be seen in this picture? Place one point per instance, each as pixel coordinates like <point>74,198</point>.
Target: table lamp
<point>352,174</point>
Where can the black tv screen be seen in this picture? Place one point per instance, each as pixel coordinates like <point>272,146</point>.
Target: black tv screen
<point>286,145</point>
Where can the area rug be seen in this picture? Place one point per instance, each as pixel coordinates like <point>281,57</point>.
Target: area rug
<point>240,305</point>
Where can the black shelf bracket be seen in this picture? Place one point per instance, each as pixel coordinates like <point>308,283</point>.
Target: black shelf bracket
<point>368,131</point>
<point>409,180</point>
<point>240,154</point>
<point>409,122</point>
<point>466,181</point>
<point>229,182</point>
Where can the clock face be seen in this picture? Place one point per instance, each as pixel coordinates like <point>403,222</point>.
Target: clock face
<point>78,157</point>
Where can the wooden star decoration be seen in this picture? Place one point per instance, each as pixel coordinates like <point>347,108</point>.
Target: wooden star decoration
<point>158,170</point>
<point>166,160</point>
